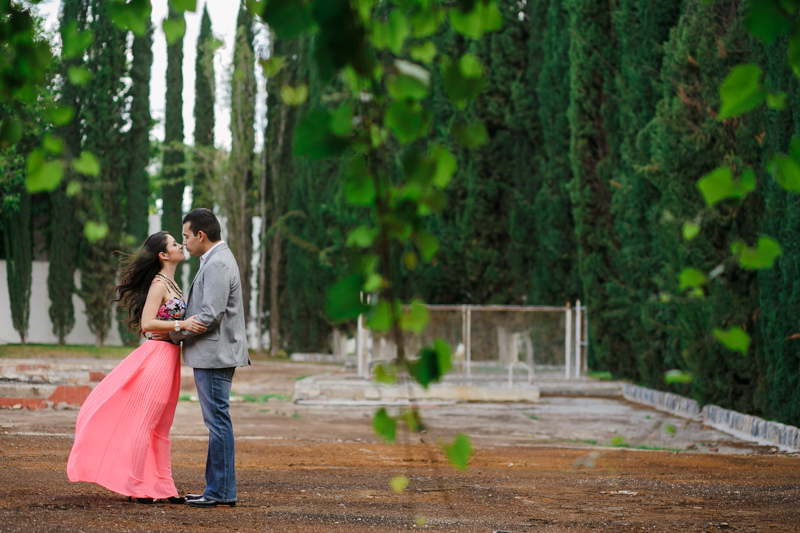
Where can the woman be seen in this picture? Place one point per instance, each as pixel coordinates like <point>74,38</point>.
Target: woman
<point>122,431</point>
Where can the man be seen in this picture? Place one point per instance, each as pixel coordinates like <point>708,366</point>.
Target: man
<point>216,298</point>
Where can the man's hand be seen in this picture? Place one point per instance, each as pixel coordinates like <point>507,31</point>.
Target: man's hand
<point>160,336</point>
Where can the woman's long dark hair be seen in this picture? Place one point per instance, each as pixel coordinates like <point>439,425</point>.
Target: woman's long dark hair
<point>138,272</point>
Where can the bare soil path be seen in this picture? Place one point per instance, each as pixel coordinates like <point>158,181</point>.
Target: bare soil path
<point>546,466</point>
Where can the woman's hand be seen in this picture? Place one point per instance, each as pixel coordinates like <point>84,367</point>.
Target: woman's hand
<point>193,325</point>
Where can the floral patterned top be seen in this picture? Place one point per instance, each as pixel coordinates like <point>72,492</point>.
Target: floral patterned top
<point>172,309</point>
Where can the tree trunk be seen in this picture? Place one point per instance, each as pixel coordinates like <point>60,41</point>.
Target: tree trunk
<point>274,313</point>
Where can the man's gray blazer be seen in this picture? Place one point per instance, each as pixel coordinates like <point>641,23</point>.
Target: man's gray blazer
<point>216,298</point>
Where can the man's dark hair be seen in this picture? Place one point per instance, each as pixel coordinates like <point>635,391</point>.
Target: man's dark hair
<point>202,219</point>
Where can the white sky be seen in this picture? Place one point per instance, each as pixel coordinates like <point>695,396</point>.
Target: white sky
<point>223,24</point>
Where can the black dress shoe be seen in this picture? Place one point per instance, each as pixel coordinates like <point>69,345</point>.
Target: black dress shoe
<point>193,496</point>
<point>144,500</point>
<point>202,502</point>
<point>176,499</point>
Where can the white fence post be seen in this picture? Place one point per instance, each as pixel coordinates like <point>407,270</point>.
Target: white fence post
<point>578,364</point>
<point>568,342</point>
<point>360,348</point>
<point>468,347</point>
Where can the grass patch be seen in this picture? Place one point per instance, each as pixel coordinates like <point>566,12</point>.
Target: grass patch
<point>531,417</point>
<point>603,375</point>
<point>264,398</point>
<point>184,398</point>
<point>54,351</point>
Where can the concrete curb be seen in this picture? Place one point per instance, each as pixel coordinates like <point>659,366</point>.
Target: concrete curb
<point>746,427</point>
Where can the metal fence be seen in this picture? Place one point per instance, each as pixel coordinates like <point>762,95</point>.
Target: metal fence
<point>491,339</point>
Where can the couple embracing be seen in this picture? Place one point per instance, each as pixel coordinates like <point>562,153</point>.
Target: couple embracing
<point>122,430</point>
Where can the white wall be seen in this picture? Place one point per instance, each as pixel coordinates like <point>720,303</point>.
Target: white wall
<point>40,328</point>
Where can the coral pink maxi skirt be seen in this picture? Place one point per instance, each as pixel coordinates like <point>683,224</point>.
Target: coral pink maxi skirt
<point>122,431</point>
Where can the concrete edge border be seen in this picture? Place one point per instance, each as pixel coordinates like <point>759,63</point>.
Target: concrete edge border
<point>746,427</point>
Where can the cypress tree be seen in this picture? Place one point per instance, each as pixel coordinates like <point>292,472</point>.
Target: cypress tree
<point>137,179</point>
<point>239,205</point>
<point>686,142</point>
<point>554,270</point>
<point>137,186</point>
<point>64,229</point>
<point>173,181</point>
<point>17,237</point>
<point>102,117</point>
<point>779,286</point>
<point>202,195</point>
<point>592,152</point>
<point>638,89</point>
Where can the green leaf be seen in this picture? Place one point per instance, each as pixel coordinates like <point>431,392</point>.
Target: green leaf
<point>786,172</point>
<point>677,376</point>
<point>416,318</point>
<point>386,374</point>
<point>470,135</point>
<point>426,20</point>
<point>60,115</point>
<point>399,484</point>
<point>359,186</point>
<point>272,66</point>
<point>380,317</point>
<point>396,31</point>
<point>362,237</point>
<point>95,232</point>
<point>43,176</point>
<point>794,49</point>
<point>408,120</point>
<point>73,188</point>
<point>691,278</point>
<point>174,29</point>
<point>424,53</point>
<point>763,256</point>
<point>483,17</point>
<point>313,138</point>
<point>735,339</point>
<point>373,283</point>
<point>459,88</point>
<point>384,425</point>
<point>74,42</point>
<point>87,165</point>
<point>432,364</point>
<point>446,166</point>
<point>776,101</point>
<point>690,230</point>
<point>10,131</point>
<point>470,66</point>
<point>342,121</point>
<point>53,145</point>
<point>78,76</point>
<point>184,5</point>
<point>426,243</point>
<point>460,452</point>
<point>133,15</point>
<point>344,299</point>
<point>741,91</point>
<point>294,96</point>
<point>766,20</point>
<point>718,185</point>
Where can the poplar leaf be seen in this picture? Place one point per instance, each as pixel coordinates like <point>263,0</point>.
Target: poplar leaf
<point>399,484</point>
<point>344,299</point>
<point>692,278</point>
<point>690,230</point>
<point>87,165</point>
<point>95,232</point>
<point>460,452</point>
<point>741,91</point>
<point>677,376</point>
<point>384,425</point>
<point>735,339</point>
<point>174,29</point>
<point>416,318</point>
<point>763,256</point>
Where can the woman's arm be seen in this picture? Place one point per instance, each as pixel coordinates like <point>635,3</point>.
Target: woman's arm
<point>156,296</point>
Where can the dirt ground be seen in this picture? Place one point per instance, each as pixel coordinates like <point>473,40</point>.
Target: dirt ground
<point>544,466</point>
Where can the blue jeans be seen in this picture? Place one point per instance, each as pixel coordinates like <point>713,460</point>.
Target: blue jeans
<point>214,392</point>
